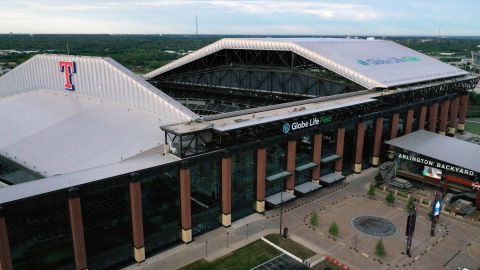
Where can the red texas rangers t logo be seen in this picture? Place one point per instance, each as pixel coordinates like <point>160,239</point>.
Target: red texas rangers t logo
<point>68,68</point>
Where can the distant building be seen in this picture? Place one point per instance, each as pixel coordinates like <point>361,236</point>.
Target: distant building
<point>476,58</point>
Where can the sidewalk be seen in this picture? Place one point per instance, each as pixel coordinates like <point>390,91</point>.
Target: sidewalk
<point>211,245</point>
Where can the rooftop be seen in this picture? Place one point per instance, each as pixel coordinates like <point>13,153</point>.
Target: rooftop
<point>443,148</point>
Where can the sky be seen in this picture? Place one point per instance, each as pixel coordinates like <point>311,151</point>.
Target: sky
<point>269,17</point>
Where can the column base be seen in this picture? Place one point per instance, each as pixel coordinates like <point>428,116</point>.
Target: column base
<point>338,172</point>
<point>316,181</point>
<point>289,191</point>
<point>460,127</point>
<point>226,220</point>
<point>187,236</point>
<point>391,154</point>
<point>260,206</point>
<point>451,130</point>
<point>358,168</point>
<point>441,132</point>
<point>139,254</point>
<point>375,161</point>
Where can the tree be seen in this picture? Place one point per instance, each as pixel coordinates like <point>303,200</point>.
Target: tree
<point>390,199</point>
<point>314,219</point>
<point>333,230</point>
<point>379,179</point>
<point>371,192</point>
<point>410,204</point>
<point>380,249</point>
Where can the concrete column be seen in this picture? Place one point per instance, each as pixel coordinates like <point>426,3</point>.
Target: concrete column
<point>317,156</point>
<point>409,121</point>
<point>444,116</point>
<point>359,147</point>
<point>291,156</point>
<point>377,141</point>
<point>393,134</point>
<point>226,191</point>
<point>462,113</point>
<point>422,117</point>
<point>5,255</point>
<point>340,146</point>
<point>185,204</point>
<point>432,117</point>
<point>452,127</point>
<point>261,171</point>
<point>76,225</point>
<point>137,218</point>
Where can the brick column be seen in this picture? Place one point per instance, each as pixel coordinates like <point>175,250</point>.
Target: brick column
<point>393,134</point>
<point>409,121</point>
<point>185,204</point>
<point>462,113</point>
<point>359,147</point>
<point>444,116</point>
<point>452,126</point>
<point>226,191</point>
<point>377,141</point>
<point>477,200</point>
<point>261,171</point>
<point>137,218</point>
<point>5,255</point>
<point>291,156</point>
<point>317,156</point>
<point>432,117</point>
<point>422,117</point>
<point>76,225</point>
<point>340,146</point>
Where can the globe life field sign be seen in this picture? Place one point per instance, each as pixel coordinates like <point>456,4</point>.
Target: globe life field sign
<point>314,121</point>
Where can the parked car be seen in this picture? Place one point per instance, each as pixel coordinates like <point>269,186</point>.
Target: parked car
<point>401,184</point>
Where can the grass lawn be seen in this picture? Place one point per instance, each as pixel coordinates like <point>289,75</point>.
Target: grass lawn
<point>290,246</point>
<point>472,127</point>
<point>244,258</point>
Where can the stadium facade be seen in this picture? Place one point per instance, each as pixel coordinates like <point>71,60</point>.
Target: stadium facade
<point>103,167</point>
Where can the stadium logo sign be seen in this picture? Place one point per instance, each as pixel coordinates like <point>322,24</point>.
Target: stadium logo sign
<point>437,164</point>
<point>305,124</point>
<point>68,68</point>
<point>390,60</point>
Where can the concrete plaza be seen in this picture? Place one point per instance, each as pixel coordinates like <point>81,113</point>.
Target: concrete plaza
<point>455,243</point>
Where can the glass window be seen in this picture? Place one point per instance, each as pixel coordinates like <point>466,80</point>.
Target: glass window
<point>273,187</point>
<point>205,196</point>
<point>303,177</point>
<point>243,184</point>
<point>368,144</point>
<point>276,158</point>
<point>349,148</point>
<point>161,208</point>
<point>107,223</point>
<point>39,233</point>
<point>304,151</point>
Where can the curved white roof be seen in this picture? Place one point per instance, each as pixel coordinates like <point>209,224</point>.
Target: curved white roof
<point>111,115</point>
<point>370,63</point>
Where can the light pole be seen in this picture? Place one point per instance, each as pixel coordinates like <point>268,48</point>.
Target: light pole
<point>247,230</point>
<point>227,239</point>
<point>281,209</point>
<point>206,250</point>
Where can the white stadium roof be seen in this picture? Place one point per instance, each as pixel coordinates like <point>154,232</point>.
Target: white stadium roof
<point>111,115</point>
<point>370,63</point>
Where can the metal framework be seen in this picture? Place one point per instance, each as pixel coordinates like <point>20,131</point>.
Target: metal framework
<point>264,76</point>
<point>411,96</point>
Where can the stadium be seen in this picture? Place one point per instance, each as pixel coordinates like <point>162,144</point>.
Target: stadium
<point>102,167</point>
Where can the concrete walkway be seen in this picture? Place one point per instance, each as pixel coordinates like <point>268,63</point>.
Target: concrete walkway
<point>211,245</point>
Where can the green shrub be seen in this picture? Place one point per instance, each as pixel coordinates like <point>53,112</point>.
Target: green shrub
<point>333,230</point>
<point>390,199</point>
<point>314,219</point>
<point>380,249</point>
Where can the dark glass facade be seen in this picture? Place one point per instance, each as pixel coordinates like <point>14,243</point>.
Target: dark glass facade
<point>107,223</point>
<point>368,144</point>
<point>349,148</point>
<point>329,146</point>
<point>304,150</point>
<point>243,184</point>
<point>276,163</point>
<point>161,208</point>
<point>39,233</point>
<point>205,195</point>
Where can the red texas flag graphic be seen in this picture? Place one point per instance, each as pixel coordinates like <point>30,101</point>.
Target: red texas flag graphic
<point>68,68</point>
